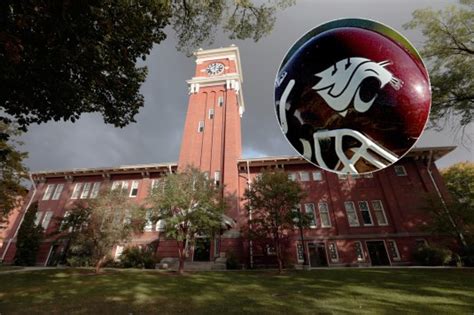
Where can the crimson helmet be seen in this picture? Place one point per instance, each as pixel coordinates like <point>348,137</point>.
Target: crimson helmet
<point>352,96</point>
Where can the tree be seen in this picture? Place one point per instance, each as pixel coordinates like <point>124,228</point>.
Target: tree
<point>449,50</point>
<point>59,59</point>
<point>29,238</point>
<point>273,199</point>
<point>101,224</point>
<point>190,205</point>
<point>456,215</point>
<point>12,170</point>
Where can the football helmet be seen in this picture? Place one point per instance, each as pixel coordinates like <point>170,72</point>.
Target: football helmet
<point>353,96</point>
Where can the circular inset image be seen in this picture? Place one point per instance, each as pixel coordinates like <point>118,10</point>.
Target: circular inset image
<point>352,96</point>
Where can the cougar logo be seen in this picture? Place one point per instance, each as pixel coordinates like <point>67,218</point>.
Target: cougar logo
<point>340,83</point>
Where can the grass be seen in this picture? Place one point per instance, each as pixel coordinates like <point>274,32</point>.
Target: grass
<point>341,291</point>
<point>8,268</point>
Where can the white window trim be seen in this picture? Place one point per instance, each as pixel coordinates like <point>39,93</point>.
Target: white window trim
<point>355,213</point>
<point>364,258</point>
<point>382,209</point>
<point>200,128</point>
<point>211,113</point>
<point>118,252</point>
<point>160,225</point>
<point>315,225</point>
<point>293,176</point>
<point>86,190</point>
<point>400,170</point>
<point>220,101</point>
<point>95,190</point>
<point>398,258</point>
<point>57,192</point>
<point>368,210</point>
<point>329,252</point>
<point>134,185</point>
<point>38,217</point>
<point>217,178</point>
<point>49,191</point>
<point>303,174</point>
<point>317,178</point>
<point>148,222</point>
<point>321,217</point>
<point>46,219</point>
<point>297,256</point>
<point>76,192</point>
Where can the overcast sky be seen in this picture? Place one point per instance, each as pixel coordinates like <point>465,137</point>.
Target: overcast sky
<point>156,136</point>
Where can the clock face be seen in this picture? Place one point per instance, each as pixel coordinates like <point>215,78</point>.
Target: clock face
<point>215,68</point>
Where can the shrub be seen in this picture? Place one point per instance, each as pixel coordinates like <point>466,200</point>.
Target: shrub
<point>134,257</point>
<point>28,239</point>
<point>467,256</point>
<point>432,256</point>
<point>232,263</point>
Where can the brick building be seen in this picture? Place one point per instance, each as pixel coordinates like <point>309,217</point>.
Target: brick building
<point>358,220</point>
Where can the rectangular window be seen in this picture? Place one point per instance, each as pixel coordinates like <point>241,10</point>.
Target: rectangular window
<point>76,191</point>
<point>333,254</point>
<point>64,220</point>
<point>292,176</point>
<point>127,218</point>
<point>217,178</point>
<point>118,252</point>
<point>115,185</point>
<point>46,219</point>
<point>365,212</point>
<point>317,176</point>
<point>359,251</point>
<point>220,101</point>
<point>299,253</point>
<point>85,190</point>
<point>160,225</point>
<point>393,250</point>
<point>342,176</point>
<point>148,223</point>
<point>134,190</point>
<point>351,213</point>
<point>309,209</point>
<point>38,218</point>
<point>211,113</point>
<point>400,170</point>
<point>47,193</point>
<point>379,212</point>
<point>324,214</point>
<point>58,191</point>
<point>201,126</point>
<point>125,185</point>
<point>95,190</point>
<point>304,176</point>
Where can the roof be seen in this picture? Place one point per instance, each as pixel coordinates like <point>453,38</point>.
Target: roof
<point>417,153</point>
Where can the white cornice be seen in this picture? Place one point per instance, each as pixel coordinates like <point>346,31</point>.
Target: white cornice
<point>231,52</point>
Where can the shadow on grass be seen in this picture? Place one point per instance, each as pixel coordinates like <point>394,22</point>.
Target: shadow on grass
<point>347,291</point>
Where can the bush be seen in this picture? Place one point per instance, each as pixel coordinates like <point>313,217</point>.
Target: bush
<point>232,263</point>
<point>432,256</point>
<point>467,256</point>
<point>28,239</point>
<point>134,257</point>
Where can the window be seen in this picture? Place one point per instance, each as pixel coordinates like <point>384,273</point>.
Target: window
<point>342,176</point>
<point>217,178</point>
<point>47,193</point>
<point>393,250</point>
<point>351,213</point>
<point>58,191</point>
<point>299,253</point>
<point>46,219</point>
<point>160,225</point>
<point>317,176</point>
<point>292,176</point>
<point>120,183</point>
<point>201,126</point>
<point>369,175</point>
<point>118,252</point>
<point>365,212</point>
<point>309,209</point>
<point>95,190</point>
<point>359,251</point>
<point>333,255</point>
<point>38,218</point>
<point>271,250</point>
<point>76,191</point>
<point>85,190</point>
<point>324,214</point>
<point>304,176</point>
<point>379,212</point>
<point>220,100</point>
<point>400,170</point>
<point>149,223</point>
<point>64,220</point>
<point>211,113</point>
<point>134,190</point>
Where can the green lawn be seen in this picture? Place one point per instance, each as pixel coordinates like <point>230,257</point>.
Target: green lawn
<point>346,291</point>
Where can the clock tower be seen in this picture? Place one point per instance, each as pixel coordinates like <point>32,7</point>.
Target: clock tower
<point>212,136</point>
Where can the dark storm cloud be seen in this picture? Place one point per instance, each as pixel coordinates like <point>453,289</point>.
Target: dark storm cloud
<point>156,136</point>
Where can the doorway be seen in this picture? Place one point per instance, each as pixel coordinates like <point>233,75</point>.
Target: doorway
<point>202,249</point>
<point>378,253</point>
<point>317,255</point>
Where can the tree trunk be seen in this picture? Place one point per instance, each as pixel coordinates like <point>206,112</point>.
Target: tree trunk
<point>100,263</point>
<point>182,257</point>
<point>278,252</point>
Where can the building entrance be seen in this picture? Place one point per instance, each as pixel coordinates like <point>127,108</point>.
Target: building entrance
<point>317,255</point>
<point>202,249</point>
<point>378,253</point>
